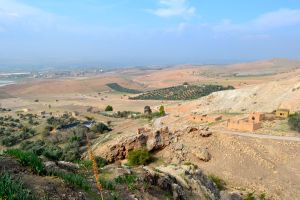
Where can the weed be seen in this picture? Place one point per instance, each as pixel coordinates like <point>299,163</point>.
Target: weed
<point>72,179</point>
<point>13,189</point>
<point>218,181</point>
<point>106,184</point>
<point>127,179</point>
<point>249,196</point>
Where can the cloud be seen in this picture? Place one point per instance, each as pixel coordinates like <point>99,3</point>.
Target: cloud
<point>14,14</point>
<point>272,20</point>
<point>171,8</point>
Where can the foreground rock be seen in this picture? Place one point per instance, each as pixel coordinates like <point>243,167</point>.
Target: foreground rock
<point>151,140</point>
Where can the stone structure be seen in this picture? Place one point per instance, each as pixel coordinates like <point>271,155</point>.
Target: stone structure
<point>243,125</point>
<point>252,123</point>
<point>284,113</point>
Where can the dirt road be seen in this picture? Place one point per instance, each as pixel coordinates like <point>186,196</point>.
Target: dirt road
<point>260,136</point>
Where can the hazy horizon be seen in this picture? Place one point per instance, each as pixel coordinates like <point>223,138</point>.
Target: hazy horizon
<point>126,33</point>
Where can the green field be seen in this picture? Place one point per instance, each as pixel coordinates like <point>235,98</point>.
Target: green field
<point>181,92</point>
<point>119,88</point>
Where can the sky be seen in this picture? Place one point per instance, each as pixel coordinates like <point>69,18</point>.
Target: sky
<point>63,33</point>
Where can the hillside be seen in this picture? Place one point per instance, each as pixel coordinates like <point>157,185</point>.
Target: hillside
<point>263,97</point>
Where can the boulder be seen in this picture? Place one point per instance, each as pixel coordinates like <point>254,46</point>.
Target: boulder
<point>203,154</point>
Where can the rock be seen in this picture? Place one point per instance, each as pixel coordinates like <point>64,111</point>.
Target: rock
<point>183,184</point>
<point>155,141</point>
<point>67,165</point>
<point>203,154</point>
<point>178,147</point>
<point>225,195</point>
<point>191,129</point>
<point>50,166</point>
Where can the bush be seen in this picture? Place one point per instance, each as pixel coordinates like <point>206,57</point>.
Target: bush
<point>221,185</point>
<point>101,162</point>
<point>71,152</point>
<point>127,179</point>
<point>249,196</point>
<point>109,108</point>
<point>27,158</point>
<point>106,184</point>
<point>294,122</point>
<point>100,128</point>
<point>13,189</point>
<point>53,152</point>
<point>138,157</point>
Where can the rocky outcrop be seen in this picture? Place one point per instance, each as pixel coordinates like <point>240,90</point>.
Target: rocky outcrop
<point>183,182</point>
<point>202,131</point>
<point>145,139</point>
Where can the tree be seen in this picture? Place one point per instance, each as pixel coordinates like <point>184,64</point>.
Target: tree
<point>162,110</point>
<point>147,110</point>
<point>294,122</point>
<point>109,108</point>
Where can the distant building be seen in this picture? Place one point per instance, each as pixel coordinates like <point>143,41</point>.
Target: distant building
<point>252,123</point>
<point>284,113</point>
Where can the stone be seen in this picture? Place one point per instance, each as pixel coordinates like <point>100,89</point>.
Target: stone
<point>203,154</point>
<point>178,147</point>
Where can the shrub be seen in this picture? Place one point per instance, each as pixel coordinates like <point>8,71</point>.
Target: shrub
<point>13,189</point>
<point>221,185</point>
<point>249,196</point>
<point>106,184</point>
<point>53,152</point>
<point>109,108</point>
<point>27,158</point>
<point>101,162</point>
<point>138,157</point>
<point>127,179</point>
<point>72,179</point>
<point>71,152</point>
<point>294,121</point>
<point>100,128</point>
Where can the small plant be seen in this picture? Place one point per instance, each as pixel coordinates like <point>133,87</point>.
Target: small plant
<point>249,196</point>
<point>27,158</point>
<point>72,179</point>
<point>101,162</point>
<point>106,184</point>
<point>86,164</point>
<point>138,157</point>
<point>262,196</point>
<point>109,108</point>
<point>13,189</point>
<point>218,181</point>
<point>127,179</point>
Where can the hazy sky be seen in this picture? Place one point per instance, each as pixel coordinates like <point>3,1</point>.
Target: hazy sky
<point>146,32</point>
